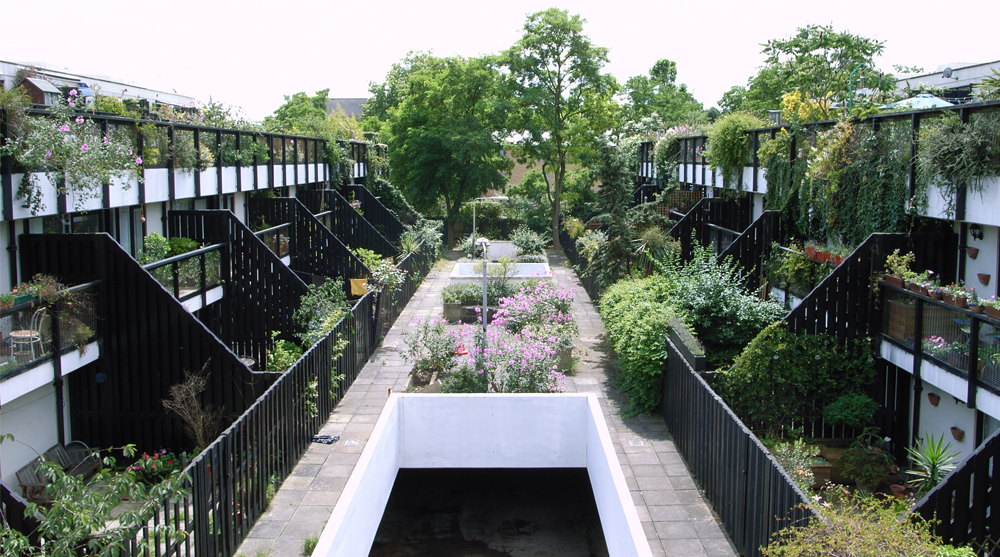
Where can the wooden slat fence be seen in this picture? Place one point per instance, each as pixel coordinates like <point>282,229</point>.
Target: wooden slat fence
<point>753,247</point>
<point>965,503</point>
<point>712,221</point>
<point>377,214</point>
<point>346,223</point>
<point>745,484</point>
<point>577,262</point>
<point>261,292</point>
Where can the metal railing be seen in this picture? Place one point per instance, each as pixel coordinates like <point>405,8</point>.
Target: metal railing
<point>190,274</point>
<point>46,326</point>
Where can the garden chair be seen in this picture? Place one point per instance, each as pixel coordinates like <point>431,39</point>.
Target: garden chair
<point>32,335</point>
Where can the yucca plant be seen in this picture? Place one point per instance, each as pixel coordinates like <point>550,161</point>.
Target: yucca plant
<point>932,461</point>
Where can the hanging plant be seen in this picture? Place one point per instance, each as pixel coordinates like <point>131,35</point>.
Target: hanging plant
<point>953,154</point>
<point>77,157</point>
<point>729,144</point>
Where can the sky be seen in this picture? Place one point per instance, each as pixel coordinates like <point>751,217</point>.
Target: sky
<point>250,53</point>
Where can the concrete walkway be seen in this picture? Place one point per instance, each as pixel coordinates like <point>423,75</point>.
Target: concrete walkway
<point>675,516</point>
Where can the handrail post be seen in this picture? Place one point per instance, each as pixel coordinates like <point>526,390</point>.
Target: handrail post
<point>973,365</point>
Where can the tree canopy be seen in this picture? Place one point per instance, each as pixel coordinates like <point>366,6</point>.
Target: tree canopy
<point>817,62</point>
<point>390,93</point>
<point>656,101</point>
<point>443,137</point>
<point>565,102</point>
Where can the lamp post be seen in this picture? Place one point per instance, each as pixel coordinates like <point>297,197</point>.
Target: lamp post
<point>485,244</point>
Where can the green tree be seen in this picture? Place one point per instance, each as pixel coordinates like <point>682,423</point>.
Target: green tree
<point>818,61</point>
<point>301,114</point>
<point>565,101</point>
<point>390,93</point>
<point>658,97</point>
<point>444,137</point>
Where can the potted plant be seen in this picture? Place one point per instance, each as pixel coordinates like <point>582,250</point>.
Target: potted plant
<point>932,461</point>
<point>975,304</point>
<point>865,462</point>
<point>6,300</point>
<point>992,308</point>
<point>897,266</point>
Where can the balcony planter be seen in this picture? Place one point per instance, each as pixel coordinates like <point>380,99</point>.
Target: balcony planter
<point>452,312</point>
<point>811,252</point>
<point>893,280</point>
<point>984,278</point>
<point>992,312</point>
<point>959,301</point>
<point>958,433</point>
<point>972,252</point>
<point>822,256</point>
<point>837,260</point>
<point>977,309</point>
<point>934,398</point>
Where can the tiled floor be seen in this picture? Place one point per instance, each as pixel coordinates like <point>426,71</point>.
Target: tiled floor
<point>674,514</point>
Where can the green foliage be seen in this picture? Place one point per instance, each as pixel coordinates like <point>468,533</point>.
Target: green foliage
<point>385,276</point>
<point>180,245</point>
<point>527,242</point>
<point>865,461</point>
<point>729,145</point>
<point>80,517</point>
<point>154,248</point>
<point>804,372</point>
<point>393,199</point>
<point>463,293</point>
<point>933,460</point>
<point>564,102</point>
<point>953,154</point>
<point>443,137</point>
<point>390,93</point>
<point>712,296</point>
<point>283,356</point>
<point>309,545</point>
<point>465,379</point>
<point>656,102</point>
<point>857,527</point>
<point>796,458</point>
<point>794,271</point>
<point>430,346</point>
<point>855,410</point>
<point>636,315</point>
<point>320,309</point>
<point>77,157</point>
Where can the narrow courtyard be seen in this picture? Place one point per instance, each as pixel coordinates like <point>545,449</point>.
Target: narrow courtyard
<point>676,517</point>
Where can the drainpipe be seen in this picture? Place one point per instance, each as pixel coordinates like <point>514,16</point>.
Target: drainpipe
<point>57,375</point>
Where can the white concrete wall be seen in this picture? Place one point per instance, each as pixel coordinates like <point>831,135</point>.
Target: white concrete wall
<point>483,431</point>
<point>32,421</point>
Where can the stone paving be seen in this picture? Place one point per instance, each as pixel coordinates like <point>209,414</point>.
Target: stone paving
<point>677,519</point>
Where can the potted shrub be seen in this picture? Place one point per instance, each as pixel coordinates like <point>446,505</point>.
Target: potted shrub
<point>975,304</point>
<point>932,461</point>
<point>897,266</point>
<point>865,462</point>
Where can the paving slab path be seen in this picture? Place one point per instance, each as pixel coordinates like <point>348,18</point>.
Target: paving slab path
<point>675,515</point>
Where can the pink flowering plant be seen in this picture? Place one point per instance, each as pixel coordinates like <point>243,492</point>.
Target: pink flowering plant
<point>524,362</point>
<point>154,468</point>
<point>542,308</point>
<point>75,154</point>
<point>430,345</point>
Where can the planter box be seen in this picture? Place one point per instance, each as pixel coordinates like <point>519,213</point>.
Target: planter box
<point>900,317</point>
<point>822,473</point>
<point>453,312</point>
<point>565,358</point>
<point>894,281</point>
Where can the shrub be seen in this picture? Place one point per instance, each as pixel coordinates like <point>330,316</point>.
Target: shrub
<point>154,248</point>
<point>463,293</point>
<point>385,276</point>
<point>515,363</point>
<point>712,296</point>
<point>465,380</point>
<point>283,356</point>
<point>803,372</point>
<point>430,346</point>
<point>180,245</point>
<point>636,316</point>
<point>855,410</point>
<point>531,259</point>
<point>857,527</point>
<point>729,145</point>
<point>527,242</point>
<point>320,309</point>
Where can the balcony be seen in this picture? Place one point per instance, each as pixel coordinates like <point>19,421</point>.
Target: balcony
<point>52,337</point>
<point>194,278</point>
<point>954,348</point>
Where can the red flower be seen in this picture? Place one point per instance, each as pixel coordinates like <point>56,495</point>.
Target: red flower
<point>169,462</point>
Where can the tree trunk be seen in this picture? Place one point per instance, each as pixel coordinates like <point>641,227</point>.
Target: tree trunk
<point>560,174</point>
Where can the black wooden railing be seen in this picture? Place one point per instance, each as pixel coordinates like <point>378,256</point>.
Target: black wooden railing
<point>745,484</point>
<point>965,504</point>
<point>346,222</point>
<point>149,341</point>
<point>712,221</point>
<point>381,218</point>
<point>843,304</point>
<point>753,247</point>
<point>261,292</point>
<point>190,274</point>
<point>231,477</point>
<point>12,513</point>
<point>314,248</point>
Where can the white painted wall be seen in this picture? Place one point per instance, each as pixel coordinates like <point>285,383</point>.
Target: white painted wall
<point>484,431</point>
<point>32,421</point>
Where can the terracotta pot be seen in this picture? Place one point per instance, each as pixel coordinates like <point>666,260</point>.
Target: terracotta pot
<point>958,433</point>
<point>914,287</point>
<point>934,398</point>
<point>892,280</point>
<point>898,490</point>
<point>984,278</point>
<point>972,252</point>
<point>936,295</point>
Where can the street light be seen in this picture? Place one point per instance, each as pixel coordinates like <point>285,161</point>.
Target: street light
<point>495,198</point>
<point>485,244</point>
